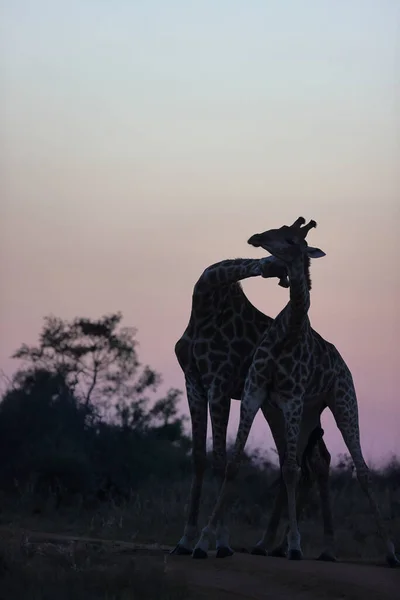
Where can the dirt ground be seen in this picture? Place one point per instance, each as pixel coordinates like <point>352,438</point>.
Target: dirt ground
<point>245,577</point>
<point>242,576</point>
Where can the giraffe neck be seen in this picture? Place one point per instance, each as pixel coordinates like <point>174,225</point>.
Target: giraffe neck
<point>219,286</point>
<point>300,285</point>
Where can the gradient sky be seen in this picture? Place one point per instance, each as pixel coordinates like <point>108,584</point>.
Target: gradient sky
<point>142,141</point>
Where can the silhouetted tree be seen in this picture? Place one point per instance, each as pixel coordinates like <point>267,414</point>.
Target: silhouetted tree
<point>97,358</point>
<point>78,368</point>
<point>39,417</point>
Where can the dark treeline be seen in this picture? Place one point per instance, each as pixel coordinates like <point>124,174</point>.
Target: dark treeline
<point>81,416</point>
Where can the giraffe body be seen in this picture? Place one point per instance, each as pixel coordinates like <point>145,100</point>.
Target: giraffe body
<point>215,353</point>
<point>293,367</point>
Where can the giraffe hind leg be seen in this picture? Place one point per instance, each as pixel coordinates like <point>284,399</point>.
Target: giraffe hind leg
<point>269,536</point>
<point>315,467</point>
<point>321,462</point>
<point>345,412</point>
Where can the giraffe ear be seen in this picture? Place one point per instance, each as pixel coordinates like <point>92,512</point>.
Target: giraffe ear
<point>315,252</point>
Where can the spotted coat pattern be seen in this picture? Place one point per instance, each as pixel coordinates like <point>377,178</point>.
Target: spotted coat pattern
<point>215,353</point>
<point>291,367</point>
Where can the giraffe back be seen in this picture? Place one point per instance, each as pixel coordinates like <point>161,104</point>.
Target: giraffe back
<point>304,364</point>
<point>223,333</point>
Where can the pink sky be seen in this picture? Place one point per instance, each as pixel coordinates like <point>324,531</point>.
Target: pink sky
<point>135,154</point>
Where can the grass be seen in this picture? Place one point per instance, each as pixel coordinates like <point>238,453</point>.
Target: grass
<point>74,571</point>
<point>155,515</point>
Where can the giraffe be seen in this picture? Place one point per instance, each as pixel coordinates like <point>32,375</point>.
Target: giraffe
<point>215,353</point>
<point>315,465</point>
<point>292,369</point>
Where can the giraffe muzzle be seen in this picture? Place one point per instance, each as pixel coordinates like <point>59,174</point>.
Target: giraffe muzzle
<point>255,240</point>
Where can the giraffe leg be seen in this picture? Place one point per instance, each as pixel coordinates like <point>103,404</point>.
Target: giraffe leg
<point>315,465</point>
<point>319,471</point>
<point>304,488</point>
<point>248,410</point>
<point>219,411</point>
<point>198,413</point>
<point>280,504</point>
<point>269,535</point>
<point>292,412</point>
<point>322,464</point>
<point>345,411</point>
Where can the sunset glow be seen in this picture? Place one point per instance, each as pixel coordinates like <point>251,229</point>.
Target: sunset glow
<point>143,141</point>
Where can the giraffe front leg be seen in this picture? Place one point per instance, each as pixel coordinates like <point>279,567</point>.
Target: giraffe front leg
<point>220,404</point>
<point>291,471</point>
<point>280,504</point>
<point>198,413</point>
<point>281,550</point>
<point>318,470</point>
<point>248,410</point>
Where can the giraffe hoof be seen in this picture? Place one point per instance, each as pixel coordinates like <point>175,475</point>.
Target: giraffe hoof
<point>241,550</point>
<point>224,551</point>
<point>259,551</point>
<point>327,557</point>
<point>181,550</point>
<point>295,555</point>
<point>278,552</point>
<point>199,553</point>
<point>392,560</point>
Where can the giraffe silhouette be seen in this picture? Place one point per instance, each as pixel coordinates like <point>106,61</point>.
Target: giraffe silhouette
<point>215,353</point>
<point>294,369</point>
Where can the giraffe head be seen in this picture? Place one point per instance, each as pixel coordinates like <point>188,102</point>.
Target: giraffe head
<point>288,242</point>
